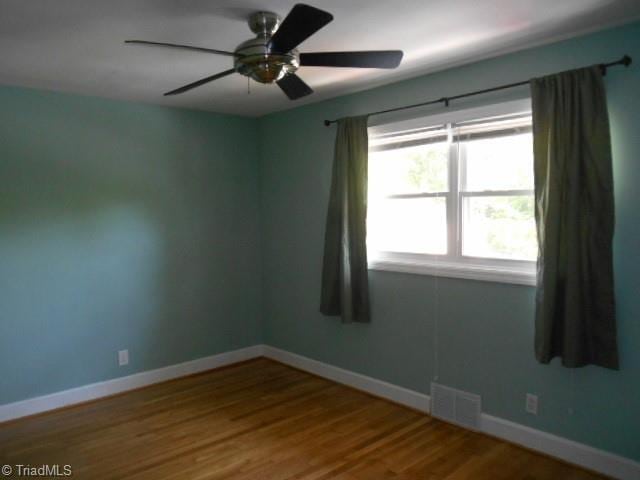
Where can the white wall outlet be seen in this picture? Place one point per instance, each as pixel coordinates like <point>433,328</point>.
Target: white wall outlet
<point>123,357</point>
<point>531,404</point>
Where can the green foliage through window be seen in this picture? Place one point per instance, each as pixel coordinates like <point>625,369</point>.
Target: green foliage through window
<point>428,171</point>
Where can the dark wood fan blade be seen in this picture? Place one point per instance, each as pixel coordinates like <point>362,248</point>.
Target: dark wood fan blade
<point>302,22</point>
<point>371,59</point>
<point>294,87</point>
<point>200,82</point>
<point>182,47</point>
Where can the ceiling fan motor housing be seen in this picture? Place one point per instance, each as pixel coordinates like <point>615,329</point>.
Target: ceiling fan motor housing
<point>254,59</point>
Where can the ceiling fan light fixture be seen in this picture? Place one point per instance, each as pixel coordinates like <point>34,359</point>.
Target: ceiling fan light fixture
<point>254,57</point>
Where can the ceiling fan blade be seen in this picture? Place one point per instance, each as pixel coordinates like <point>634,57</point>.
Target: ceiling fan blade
<point>370,59</point>
<point>294,87</point>
<point>302,22</point>
<point>200,82</point>
<point>182,47</point>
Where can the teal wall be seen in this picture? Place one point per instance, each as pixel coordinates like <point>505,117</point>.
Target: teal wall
<point>477,336</point>
<point>179,234</point>
<point>121,226</point>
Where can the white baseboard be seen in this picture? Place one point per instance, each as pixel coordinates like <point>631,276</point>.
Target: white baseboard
<point>562,448</point>
<point>576,453</point>
<point>93,391</point>
<point>573,452</point>
<point>404,396</point>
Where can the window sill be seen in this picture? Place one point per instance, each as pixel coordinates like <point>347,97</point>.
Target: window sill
<point>500,274</point>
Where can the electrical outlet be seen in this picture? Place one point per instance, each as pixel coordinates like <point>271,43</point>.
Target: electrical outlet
<point>123,357</point>
<point>531,404</point>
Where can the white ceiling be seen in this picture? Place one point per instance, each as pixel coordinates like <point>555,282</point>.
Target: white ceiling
<point>77,45</point>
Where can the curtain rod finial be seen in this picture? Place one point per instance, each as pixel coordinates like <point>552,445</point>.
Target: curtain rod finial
<point>626,60</point>
<point>327,123</point>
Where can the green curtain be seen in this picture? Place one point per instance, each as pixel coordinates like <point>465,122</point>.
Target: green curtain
<point>345,287</point>
<point>575,308</point>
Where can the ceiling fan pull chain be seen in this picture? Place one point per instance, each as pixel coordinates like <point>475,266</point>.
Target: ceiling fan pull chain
<point>248,86</point>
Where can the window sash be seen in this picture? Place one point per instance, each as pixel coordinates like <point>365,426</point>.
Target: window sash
<point>456,132</point>
<point>416,195</point>
<point>456,135</point>
<point>497,193</point>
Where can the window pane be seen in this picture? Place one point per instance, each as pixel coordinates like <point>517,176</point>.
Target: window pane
<point>501,163</point>
<point>409,170</point>
<point>416,225</point>
<point>499,227</point>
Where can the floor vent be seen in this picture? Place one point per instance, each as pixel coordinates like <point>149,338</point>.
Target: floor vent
<point>455,406</point>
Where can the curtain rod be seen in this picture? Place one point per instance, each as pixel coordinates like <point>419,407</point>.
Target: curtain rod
<point>626,61</point>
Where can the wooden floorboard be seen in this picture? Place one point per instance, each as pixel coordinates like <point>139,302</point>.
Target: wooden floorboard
<point>263,420</point>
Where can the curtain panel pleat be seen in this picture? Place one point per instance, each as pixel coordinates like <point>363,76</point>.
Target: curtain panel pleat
<point>345,287</point>
<point>575,308</point>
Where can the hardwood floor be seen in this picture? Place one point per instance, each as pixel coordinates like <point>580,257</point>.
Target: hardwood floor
<point>263,420</point>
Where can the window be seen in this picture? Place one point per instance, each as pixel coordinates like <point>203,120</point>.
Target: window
<point>453,195</point>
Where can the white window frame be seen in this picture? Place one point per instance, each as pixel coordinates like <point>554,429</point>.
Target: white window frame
<point>454,264</point>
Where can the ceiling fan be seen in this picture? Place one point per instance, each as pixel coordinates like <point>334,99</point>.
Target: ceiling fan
<point>272,56</point>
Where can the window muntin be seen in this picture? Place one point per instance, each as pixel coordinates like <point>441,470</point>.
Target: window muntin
<point>458,192</point>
